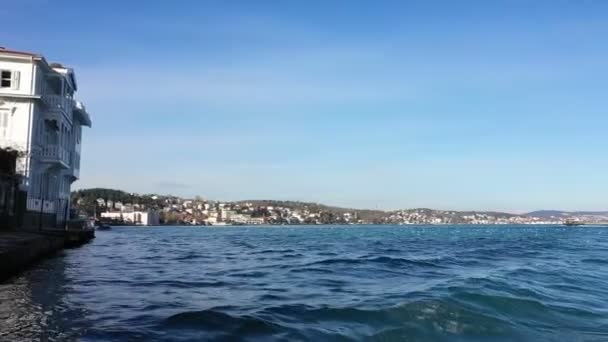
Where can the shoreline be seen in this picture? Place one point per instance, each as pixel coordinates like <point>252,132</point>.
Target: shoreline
<point>19,249</point>
<point>554,225</point>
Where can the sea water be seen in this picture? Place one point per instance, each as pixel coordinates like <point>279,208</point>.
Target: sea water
<point>318,283</point>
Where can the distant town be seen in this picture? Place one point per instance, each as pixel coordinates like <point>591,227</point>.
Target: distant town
<point>119,207</point>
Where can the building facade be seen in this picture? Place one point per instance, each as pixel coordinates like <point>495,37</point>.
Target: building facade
<point>140,218</point>
<point>40,117</point>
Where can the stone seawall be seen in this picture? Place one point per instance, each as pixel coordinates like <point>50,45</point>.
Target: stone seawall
<point>18,250</point>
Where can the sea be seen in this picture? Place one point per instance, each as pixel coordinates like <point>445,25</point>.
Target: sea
<point>317,283</point>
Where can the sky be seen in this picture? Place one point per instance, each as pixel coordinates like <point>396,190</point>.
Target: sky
<point>460,105</point>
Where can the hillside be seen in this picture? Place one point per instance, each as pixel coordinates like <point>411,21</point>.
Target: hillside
<point>182,208</point>
<point>364,214</point>
<point>561,213</point>
<point>86,199</point>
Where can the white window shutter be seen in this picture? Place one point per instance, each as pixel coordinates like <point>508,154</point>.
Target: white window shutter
<point>16,79</point>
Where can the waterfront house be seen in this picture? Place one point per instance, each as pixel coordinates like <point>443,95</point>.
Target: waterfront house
<point>40,117</point>
<point>143,218</point>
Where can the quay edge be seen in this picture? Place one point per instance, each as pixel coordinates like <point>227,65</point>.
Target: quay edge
<point>19,250</point>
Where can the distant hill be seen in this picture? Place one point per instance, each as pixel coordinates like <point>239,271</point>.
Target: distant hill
<point>457,212</point>
<point>547,213</point>
<point>86,199</point>
<point>107,194</point>
<point>592,213</point>
<point>365,214</point>
<point>561,213</point>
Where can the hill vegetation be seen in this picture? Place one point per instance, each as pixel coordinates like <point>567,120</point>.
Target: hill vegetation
<point>176,209</point>
<point>364,214</point>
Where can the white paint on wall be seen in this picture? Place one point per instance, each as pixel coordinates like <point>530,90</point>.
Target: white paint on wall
<point>40,118</point>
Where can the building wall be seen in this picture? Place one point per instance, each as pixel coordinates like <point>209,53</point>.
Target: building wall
<point>15,125</point>
<point>26,70</point>
<point>28,124</point>
<point>21,115</point>
<point>19,110</point>
<point>153,218</point>
<point>144,218</point>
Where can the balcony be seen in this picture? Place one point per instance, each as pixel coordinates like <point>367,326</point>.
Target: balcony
<point>55,154</point>
<point>80,111</point>
<point>36,204</point>
<point>58,102</point>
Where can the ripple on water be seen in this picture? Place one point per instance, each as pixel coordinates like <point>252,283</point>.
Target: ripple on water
<point>316,284</point>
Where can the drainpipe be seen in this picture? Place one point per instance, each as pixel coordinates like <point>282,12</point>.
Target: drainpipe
<point>41,207</point>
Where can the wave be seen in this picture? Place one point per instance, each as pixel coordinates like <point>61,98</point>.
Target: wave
<point>215,320</point>
<point>294,255</point>
<point>382,260</point>
<point>311,269</point>
<point>595,261</point>
<point>179,284</point>
<point>272,297</point>
<point>244,244</point>
<point>273,251</point>
<point>429,319</point>
<point>254,274</point>
<point>189,256</point>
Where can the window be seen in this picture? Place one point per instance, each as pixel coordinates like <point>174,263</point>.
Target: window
<point>6,79</point>
<point>9,79</point>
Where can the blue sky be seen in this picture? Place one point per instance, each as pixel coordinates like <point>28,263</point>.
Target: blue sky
<point>495,105</point>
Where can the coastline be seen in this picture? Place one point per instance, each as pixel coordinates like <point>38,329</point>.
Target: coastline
<point>19,250</point>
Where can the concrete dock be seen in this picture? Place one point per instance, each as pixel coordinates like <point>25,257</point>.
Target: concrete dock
<point>19,250</point>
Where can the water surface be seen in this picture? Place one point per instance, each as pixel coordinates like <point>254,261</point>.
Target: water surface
<point>401,283</point>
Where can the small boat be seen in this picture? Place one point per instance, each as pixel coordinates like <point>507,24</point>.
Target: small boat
<point>104,226</point>
<point>573,222</point>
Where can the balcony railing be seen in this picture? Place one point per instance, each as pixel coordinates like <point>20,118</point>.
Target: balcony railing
<point>34,204</point>
<point>55,154</point>
<point>58,102</point>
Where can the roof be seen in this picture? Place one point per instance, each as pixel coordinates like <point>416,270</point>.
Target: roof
<point>15,52</point>
<point>69,72</point>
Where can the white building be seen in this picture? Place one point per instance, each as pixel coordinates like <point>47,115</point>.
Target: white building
<point>40,117</point>
<point>143,218</point>
<point>226,215</point>
<point>246,219</point>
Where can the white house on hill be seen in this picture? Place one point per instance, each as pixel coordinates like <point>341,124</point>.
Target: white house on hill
<point>142,218</point>
<point>40,116</point>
